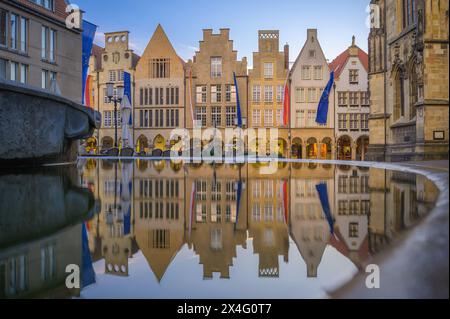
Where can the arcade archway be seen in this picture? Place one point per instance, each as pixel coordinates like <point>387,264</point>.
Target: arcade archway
<point>311,148</point>
<point>297,148</point>
<point>344,148</point>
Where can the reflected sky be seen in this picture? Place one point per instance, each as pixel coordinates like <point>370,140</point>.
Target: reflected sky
<point>166,230</point>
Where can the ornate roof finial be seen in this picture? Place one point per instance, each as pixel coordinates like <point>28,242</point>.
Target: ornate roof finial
<point>353,41</point>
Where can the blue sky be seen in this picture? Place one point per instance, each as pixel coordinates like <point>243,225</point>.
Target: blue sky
<point>183,21</point>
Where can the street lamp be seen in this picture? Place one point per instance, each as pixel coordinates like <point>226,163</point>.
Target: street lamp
<point>117,99</point>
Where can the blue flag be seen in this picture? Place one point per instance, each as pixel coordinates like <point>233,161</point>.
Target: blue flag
<point>238,103</point>
<point>89,30</point>
<point>127,90</point>
<point>323,195</point>
<point>322,111</point>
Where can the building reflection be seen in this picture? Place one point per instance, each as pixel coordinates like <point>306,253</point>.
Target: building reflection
<point>213,209</point>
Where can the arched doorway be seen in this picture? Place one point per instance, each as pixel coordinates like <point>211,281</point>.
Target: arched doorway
<point>91,145</point>
<point>311,148</point>
<point>326,149</point>
<point>107,142</point>
<point>297,148</point>
<point>159,143</point>
<point>345,148</point>
<point>142,144</point>
<point>362,145</point>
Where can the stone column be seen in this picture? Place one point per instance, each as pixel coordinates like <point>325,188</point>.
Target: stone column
<point>354,145</point>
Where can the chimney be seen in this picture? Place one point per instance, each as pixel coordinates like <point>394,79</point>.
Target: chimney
<point>312,35</point>
<point>286,56</point>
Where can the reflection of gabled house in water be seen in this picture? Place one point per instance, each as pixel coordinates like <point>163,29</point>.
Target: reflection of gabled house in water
<point>216,215</point>
<point>40,266</point>
<point>112,229</point>
<point>352,208</point>
<point>268,208</point>
<point>309,226</point>
<point>159,211</point>
<point>397,202</point>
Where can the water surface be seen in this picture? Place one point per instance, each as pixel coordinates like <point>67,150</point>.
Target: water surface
<point>158,229</point>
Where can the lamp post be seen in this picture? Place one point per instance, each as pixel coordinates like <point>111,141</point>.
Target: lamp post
<point>116,99</point>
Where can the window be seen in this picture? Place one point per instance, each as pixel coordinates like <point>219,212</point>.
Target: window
<point>312,97</point>
<point>216,67</point>
<point>300,118</point>
<point>200,115</point>
<point>52,45</point>
<point>3,27</point>
<point>48,265</point>
<point>354,122</point>
<point>342,184</point>
<point>353,74</point>
<point>44,36</point>
<point>201,94</point>
<point>230,94</point>
<point>342,122</point>
<point>14,24</point>
<point>353,230</point>
<point>216,116</point>
<point>343,208</point>
<point>408,13</point>
<point>216,93</point>
<point>23,34</point>
<point>365,122</point>
<point>161,239</point>
<point>306,72</point>
<point>311,118</point>
<point>268,93</point>
<point>268,70</point>
<point>312,53</point>
<point>365,99</point>
<point>280,117</point>
<point>256,93</point>
<point>256,117</point>
<point>230,115</point>
<point>342,99</point>
<point>112,76</point>
<point>318,74</point>
<point>23,73</point>
<point>268,118</point>
<point>399,102</point>
<point>300,95</point>
<point>280,93</point>
<point>159,68</point>
<point>354,99</point>
<point>48,4</point>
<point>3,66</point>
<point>14,75</point>
<point>107,118</point>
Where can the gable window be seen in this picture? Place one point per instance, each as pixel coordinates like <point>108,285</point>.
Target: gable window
<point>268,93</point>
<point>268,70</point>
<point>159,68</point>
<point>201,94</point>
<point>318,74</point>
<point>300,95</point>
<point>306,72</point>
<point>216,67</point>
<point>230,94</point>
<point>280,93</point>
<point>353,76</point>
<point>256,93</point>
<point>216,93</point>
<point>342,99</point>
<point>216,116</point>
<point>230,115</point>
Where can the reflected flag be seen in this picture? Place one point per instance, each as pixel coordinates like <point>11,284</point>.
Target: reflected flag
<point>238,202</point>
<point>191,209</point>
<point>322,111</point>
<point>87,270</point>
<point>323,195</point>
<point>238,103</point>
<point>88,93</point>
